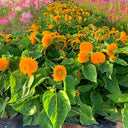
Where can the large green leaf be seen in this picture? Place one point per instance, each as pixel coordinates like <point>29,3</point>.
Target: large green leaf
<point>86,116</point>
<point>68,61</point>
<point>112,85</point>
<point>3,103</point>
<point>44,121</point>
<point>118,98</point>
<point>124,81</point>
<point>85,88</point>
<point>121,61</point>
<point>69,88</point>
<point>89,72</point>
<point>121,50</point>
<point>32,119</point>
<point>20,86</point>
<point>97,101</point>
<point>56,107</point>
<point>27,107</point>
<point>106,67</point>
<point>125,115</point>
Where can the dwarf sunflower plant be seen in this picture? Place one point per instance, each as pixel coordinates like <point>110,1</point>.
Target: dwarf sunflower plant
<point>71,72</point>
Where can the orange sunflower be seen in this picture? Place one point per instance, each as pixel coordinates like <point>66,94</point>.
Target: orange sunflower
<point>28,66</point>
<point>59,73</point>
<point>83,57</point>
<point>50,26</point>
<point>111,47</point>
<point>32,38</point>
<point>57,18</point>
<point>4,64</point>
<point>47,40</point>
<point>97,58</point>
<point>86,46</point>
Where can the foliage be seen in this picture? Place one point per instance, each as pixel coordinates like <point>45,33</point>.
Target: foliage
<point>49,84</point>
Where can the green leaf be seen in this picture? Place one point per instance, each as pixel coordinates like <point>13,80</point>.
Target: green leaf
<point>27,107</point>
<point>31,120</point>
<point>97,101</point>
<point>121,61</point>
<point>25,53</point>
<point>73,112</point>
<point>118,98</point>
<point>89,72</point>
<point>112,85</point>
<point>124,81</point>
<point>3,103</point>
<point>44,121</point>
<point>17,34</point>
<point>6,82</point>
<point>69,88</point>
<point>56,107</point>
<point>85,88</point>
<point>106,67</point>
<point>86,116</point>
<point>125,115</point>
<point>121,50</point>
<point>68,61</point>
<point>25,42</point>
<point>20,86</point>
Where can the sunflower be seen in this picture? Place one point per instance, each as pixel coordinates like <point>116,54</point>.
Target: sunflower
<point>111,47</point>
<point>79,74</point>
<point>57,18</point>
<point>50,26</point>
<point>112,58</point>
<point>77,93</point>
<point>97,58</point>
<point>83,57</point>
<point>45,33</point>
<point>47,40</point>
<point>59,73</point>
<point>86,46</point>
<point>32,38</point>
<point>28,66</point>
<point>4,64</point>
<point>7,37</point>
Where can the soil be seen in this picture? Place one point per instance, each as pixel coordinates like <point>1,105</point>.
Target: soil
<point>17,122</point>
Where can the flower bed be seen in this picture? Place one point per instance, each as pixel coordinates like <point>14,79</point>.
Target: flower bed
<point>64,69</point>
<point>18,15</point>
<point>113,12</point>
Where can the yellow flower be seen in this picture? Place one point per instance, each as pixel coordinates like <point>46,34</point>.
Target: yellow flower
<point>83,57</point>
<point>111,47</point>
<point>35,27</point>
<point>47,40</point>
<point>77,93</point>
<point>45,33</point>
<point>4,64</point>
<point>57,18</point>
<point>7,37</point>
<point>78,74</point>
<point>59,73</point>
<point>112,58</point>
<point>28,66</point>
<point>86,46</point>
<point>97,58</point>
<point>32,38</point>
<point>50,26</point>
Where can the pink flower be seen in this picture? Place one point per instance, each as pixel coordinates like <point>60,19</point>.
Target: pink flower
<point>26,15</point>
<point>4,20</point>
<point>26,20</point>
<point>11,15</point>
<point>36,8</point>
<point>18,8</point>
<point>112,24</point>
